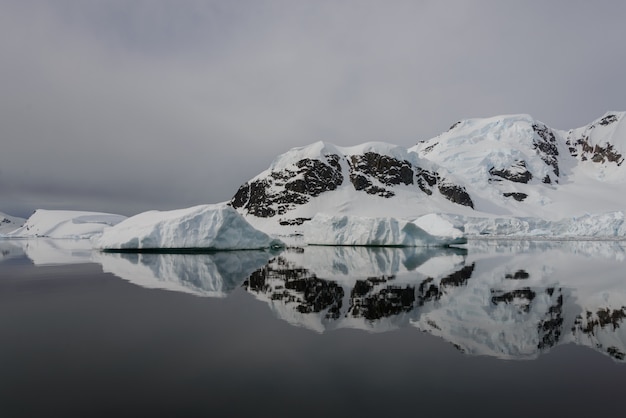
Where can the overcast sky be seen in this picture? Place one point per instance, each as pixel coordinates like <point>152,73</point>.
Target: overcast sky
<point>126,106</point>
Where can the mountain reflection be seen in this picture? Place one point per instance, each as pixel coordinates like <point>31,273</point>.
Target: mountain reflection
<point>511,300</point>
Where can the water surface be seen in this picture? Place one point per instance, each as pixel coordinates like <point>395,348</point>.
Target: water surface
<point>496,329</point>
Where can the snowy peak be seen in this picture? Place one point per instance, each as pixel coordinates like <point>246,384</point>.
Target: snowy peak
<point>516,148</point>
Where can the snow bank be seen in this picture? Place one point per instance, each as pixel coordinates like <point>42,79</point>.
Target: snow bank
<point>609,225</point>
<point>65,224</point>
<point>428,230</point>
<point>216,227</point>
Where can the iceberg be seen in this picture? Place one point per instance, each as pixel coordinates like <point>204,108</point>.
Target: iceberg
<point>206,227</point>
<point>425,231</point>
<point>65,224</point>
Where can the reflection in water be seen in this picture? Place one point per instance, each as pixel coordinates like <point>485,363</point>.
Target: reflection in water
<point>213,275</point>
<point>511,300</point>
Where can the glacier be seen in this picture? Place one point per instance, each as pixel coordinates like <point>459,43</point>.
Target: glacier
<point>207,227</point>
<point>428,230</point>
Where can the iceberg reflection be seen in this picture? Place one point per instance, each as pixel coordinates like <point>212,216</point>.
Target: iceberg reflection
<point>213,275</point>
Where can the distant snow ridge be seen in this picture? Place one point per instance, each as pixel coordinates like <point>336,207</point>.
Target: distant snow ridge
<point>428,230</point>
<point>65,224</point>
<point>9,223</point>
<point>215,227</point>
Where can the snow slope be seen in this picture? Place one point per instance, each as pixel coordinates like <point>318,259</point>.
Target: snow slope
<point>65,224</point>
<point>214,227</point>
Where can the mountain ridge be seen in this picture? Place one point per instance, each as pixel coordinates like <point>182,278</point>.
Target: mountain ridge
<point>507,165</point>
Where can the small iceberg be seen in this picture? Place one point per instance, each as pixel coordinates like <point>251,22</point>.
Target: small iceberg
<point>426,231</point>
<point>199,228</point>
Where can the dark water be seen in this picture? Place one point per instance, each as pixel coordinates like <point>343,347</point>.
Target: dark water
<point>513,329</point>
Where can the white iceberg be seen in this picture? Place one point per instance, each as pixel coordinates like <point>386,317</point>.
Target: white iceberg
<point>425,231</point>
<point>65,224</point>
<point>209,227</point>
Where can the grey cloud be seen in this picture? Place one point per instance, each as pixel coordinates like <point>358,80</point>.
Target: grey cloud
<point>156,104</point>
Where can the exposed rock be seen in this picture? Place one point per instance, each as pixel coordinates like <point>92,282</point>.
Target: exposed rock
<point>517,173</point>
<point>387,170</point>
<point>517,196</point>
<point>284,190</point>
<point>607,120</point>
<point>546,147</point>
<point>455,193</point>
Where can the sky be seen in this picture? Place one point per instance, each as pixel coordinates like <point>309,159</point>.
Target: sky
<point>125,106</point>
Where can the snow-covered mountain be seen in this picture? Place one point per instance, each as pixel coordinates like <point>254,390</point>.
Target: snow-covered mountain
<point>501,167</point>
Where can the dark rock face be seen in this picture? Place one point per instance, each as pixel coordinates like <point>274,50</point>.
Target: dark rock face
<point>456,194</point>
<point>546,147</point>
<point>426,180</point>
<point>284,190</point>
<point>598,154</point>
<point>607,120</point>
<point>582,148</point>
<point>387,170</point>
<point>517,196</point>
<point>517,173</point>
<point>372,173</point>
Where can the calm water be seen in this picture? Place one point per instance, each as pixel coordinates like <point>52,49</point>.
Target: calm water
<point>497,329</point>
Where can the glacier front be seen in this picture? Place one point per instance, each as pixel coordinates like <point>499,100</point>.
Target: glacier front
<point>426,231</point>
<point>206,227</point>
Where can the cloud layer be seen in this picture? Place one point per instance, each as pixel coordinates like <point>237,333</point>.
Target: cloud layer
<point>129,106</point>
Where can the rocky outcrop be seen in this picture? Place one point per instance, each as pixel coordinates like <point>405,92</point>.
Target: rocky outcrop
<point>280,191</point>
<point>517,173</point>
<point>582,145</point>
<point>386,170</point>
<point>284,190</point>
<point>545,145</point>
